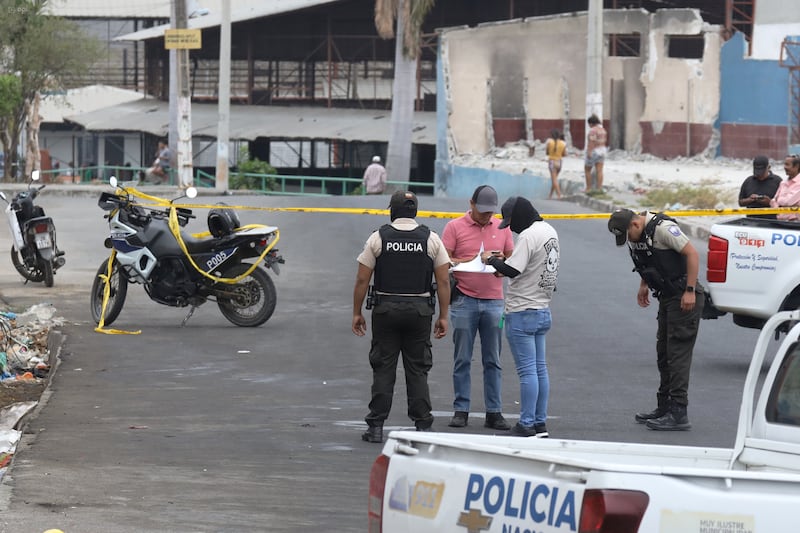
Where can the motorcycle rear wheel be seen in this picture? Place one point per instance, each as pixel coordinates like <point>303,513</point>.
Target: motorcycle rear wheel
<point>30,273</point>
<point>251,301</point>
<point>116,298</point>
<point>47,271</point>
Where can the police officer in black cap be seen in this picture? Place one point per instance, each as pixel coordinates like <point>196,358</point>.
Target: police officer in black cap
<point>668,264</point>
<point>405,257</point>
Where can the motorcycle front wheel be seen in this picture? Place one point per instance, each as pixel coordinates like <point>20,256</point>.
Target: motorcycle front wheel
<point>251,301</point>
<point>118,289</point>
<point>30,273</point>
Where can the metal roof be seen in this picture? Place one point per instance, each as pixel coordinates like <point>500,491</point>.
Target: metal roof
<point>241,10</point>
<point>248,122</point>
<point>55,106</point>
<point>110,9</point>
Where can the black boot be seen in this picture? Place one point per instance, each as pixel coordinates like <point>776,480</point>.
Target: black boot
<point>373,434</point>
<point>675,420</point>
<point>496,421</point>
<point>658,412</point>
<point>459,419</point>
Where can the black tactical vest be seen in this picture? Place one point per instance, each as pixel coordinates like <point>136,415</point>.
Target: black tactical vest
<point>664,271</point>
<point>404,266</point>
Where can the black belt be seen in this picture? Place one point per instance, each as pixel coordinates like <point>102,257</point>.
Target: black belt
<point>395,298</point>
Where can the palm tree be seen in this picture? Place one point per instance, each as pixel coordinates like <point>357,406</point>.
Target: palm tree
<point>410,15</point>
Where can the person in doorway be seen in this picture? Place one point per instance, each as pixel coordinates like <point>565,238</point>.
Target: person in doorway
<point>757,190</point>
<point>788,193</point>
<point>374,180</point>
<point>477,306</point>
<point>595,152</point>
<point>668,265</point>
<point>556,149</point>
<point>533,272</point>
<point>405,258</point>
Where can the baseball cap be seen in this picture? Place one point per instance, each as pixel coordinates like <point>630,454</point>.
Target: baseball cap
<point>760,163</point>
<point>618,224</point>
<point>508,207</point>
<point>485,199</point>
<point>403,199</point>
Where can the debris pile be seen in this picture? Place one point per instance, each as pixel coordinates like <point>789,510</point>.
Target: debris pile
<point>24,368</point>
<point>23,343</point>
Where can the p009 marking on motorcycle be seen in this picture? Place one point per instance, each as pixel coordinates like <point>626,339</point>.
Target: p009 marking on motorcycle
<point>218,258</point>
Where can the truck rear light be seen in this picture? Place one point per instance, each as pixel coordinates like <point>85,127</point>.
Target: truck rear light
<point>717,260</point>
<point>612,511</point>
<point>377,484</point>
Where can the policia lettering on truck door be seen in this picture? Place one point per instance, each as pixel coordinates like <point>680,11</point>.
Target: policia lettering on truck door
<point>405,258</point>
<point>667,263</point>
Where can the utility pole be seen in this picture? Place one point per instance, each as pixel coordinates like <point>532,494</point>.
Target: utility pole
<point>180,108</point>
<point>224,102</point>
<point>594,63</point>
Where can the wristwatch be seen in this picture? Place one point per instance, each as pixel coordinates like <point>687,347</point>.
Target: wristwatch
<point>689,288</point>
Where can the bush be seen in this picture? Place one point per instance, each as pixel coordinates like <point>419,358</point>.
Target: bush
<point>253,165</point>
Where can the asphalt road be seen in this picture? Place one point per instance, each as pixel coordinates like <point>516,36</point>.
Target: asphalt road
<point>215,428</point>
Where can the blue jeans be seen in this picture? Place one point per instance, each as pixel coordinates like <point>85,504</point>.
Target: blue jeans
<point>525,331</point>
<point>468,317</point>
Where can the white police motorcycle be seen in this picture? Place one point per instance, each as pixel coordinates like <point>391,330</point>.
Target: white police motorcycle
<point>178,269</point>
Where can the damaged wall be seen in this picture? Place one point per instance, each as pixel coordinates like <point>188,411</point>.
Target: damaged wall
<point>661,104</point>
<point>682,101</point>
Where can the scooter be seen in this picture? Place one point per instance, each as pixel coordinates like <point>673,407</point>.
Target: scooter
<point>227,264</point>
<point>34,253</point>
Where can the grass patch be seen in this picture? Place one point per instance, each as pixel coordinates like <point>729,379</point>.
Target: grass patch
<point>704,196</point>
<point>598,194</point>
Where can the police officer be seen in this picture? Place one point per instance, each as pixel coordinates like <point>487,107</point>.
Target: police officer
<point>668,266</point>
<point>405,257</point>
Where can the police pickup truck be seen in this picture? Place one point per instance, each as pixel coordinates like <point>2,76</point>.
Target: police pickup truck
<point>426,482</point>
<point>753,268</point>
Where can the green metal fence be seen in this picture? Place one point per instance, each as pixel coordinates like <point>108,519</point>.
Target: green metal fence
<point>261,183</point>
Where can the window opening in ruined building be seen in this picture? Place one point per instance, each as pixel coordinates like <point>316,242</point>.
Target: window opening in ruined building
<point>624,45</point>
<point>685,46</point>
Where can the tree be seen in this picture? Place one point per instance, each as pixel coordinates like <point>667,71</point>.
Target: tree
<point>409,14</point>
<point>37,51</point>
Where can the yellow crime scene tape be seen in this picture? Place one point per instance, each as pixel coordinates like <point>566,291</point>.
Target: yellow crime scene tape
<point>154,201</point>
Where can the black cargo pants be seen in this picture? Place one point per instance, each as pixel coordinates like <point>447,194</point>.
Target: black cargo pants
<point>677,333</point>
<point>401,327</point>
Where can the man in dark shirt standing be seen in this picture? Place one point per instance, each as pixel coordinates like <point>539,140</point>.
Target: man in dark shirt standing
<point>758,189</point>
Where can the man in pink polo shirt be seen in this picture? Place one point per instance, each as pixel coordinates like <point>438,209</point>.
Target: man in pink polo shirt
<point>477,305</point>
<point>788,193</point>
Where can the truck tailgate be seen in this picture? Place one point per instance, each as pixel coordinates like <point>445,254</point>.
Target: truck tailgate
<point>442,483</point>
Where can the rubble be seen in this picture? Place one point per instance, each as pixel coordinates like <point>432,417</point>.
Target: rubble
<point>624,171</point>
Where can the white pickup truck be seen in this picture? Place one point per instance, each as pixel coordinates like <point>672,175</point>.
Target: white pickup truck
<point>426,482</point>
<point>753,268</point>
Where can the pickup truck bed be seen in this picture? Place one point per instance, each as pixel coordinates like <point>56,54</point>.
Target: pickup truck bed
<point>754,268</point>
<point>475,483</point>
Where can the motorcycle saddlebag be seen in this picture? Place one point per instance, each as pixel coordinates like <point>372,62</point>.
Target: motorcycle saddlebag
<point>222,221</point>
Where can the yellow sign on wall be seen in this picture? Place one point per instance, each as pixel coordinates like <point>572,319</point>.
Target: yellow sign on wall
<point>183,39</point>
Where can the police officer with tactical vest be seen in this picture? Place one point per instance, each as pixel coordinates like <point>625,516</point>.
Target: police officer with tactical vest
<point>405,258</point>
<point>668,264</point>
